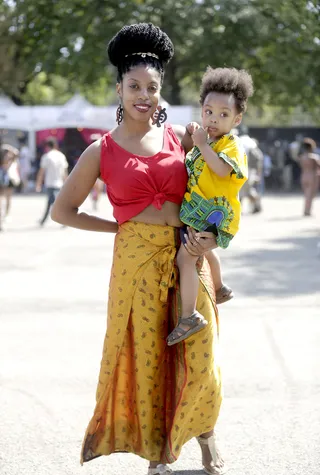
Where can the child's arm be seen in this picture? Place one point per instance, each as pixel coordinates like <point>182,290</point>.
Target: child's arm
<point>214,162</point>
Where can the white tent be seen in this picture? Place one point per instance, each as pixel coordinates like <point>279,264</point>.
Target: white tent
<point>76,113</point>
<point>12,116</point>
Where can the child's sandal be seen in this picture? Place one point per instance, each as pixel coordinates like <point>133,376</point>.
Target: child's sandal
<point>195,323</point>
<point>224,294</point>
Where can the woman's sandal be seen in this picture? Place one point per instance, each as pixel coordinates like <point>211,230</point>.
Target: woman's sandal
<point>224,294</point>
<point>160,470</point>
<point>216,467</point>
<point>195,323</point>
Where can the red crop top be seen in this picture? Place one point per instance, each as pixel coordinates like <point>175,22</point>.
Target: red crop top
<point>134,182</point>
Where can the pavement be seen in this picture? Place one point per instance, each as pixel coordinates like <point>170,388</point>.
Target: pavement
<point>53,293</point>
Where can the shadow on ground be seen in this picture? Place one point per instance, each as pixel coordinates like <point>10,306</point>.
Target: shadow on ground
<point>189,472</point>
<point>282,219</point>
<point>292,269</point>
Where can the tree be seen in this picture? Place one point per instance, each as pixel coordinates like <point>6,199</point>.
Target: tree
<point>14,69</point>
<point>279,42</point>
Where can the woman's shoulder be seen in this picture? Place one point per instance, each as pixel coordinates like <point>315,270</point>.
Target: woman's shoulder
<point>92,152</point>
<point>95,147</point>
<point>178,130</point>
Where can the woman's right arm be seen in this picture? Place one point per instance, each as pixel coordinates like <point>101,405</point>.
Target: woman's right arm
<point>76,189</point>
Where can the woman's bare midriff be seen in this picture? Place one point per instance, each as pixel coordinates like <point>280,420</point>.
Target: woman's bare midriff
<point>168,215</point>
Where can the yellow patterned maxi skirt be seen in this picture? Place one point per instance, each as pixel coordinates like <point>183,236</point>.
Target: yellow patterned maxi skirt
<point>151,398</point>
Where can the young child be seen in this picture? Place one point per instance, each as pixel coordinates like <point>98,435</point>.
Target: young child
<point>217,169</point>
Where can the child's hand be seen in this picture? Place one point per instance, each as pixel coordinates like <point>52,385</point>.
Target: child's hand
<point>192,127</point>
<point>199,137</point>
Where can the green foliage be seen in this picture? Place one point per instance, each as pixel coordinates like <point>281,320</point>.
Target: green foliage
<point>279,42</point>
<point>49,89</point>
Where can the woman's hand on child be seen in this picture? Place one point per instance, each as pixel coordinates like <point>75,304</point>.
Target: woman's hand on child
<point>198,243</point>
<point>199,137</point>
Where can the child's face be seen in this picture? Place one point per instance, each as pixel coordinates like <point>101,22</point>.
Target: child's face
<point>219,114</point>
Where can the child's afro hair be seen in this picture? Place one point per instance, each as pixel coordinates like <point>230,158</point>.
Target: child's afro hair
<point>228,81</point>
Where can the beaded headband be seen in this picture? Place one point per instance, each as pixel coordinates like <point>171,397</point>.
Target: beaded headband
<point>143,55</point>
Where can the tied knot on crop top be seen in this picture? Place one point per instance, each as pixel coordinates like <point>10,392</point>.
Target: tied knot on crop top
<point>135,182</point>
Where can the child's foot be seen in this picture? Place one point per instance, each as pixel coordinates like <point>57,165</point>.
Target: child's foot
<point>186,327</point>
<point>224,294</point>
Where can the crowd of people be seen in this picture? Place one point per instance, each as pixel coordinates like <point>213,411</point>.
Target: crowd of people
<point>16,169</point>
<point>279,166</point>
<point>20,172</point>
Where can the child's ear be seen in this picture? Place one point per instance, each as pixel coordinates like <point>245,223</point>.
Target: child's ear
<point>238,120</point>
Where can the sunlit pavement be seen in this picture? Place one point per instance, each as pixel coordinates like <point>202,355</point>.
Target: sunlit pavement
<point>53,292</point>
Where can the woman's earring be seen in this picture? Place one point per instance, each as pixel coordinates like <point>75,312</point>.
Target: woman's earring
<point>159,117</point>
<point>119,114</point>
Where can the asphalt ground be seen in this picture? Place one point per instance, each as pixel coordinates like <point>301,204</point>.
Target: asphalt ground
<point>53,293</point>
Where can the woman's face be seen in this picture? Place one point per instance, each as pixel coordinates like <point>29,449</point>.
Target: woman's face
<point>140,92</point>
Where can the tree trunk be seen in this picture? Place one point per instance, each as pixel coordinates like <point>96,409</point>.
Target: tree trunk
<point>172,87</point>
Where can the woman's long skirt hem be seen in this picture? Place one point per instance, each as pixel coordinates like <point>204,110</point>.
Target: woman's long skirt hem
<point>151,399</point>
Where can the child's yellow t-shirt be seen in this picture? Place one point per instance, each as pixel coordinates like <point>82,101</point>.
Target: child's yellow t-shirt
<point>211,200</point>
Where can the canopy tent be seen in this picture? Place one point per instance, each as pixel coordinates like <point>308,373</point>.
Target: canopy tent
<point>77,113</point>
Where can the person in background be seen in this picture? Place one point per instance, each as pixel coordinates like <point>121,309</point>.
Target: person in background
<point>13,174</point>
<point>266,172</point>
<point>24,163</point>
<point>310,167</point>
<point>4,179</point>
<point>95,194</point>
<point>291,169</point>
<point>259,161</point>
<point>52,172</point>
<point>250,189</point>
<point>98,186</point>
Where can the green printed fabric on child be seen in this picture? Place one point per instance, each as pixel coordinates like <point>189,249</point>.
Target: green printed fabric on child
<point>213,200</point>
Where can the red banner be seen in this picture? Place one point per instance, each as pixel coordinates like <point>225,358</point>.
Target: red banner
<point>90,135</point>
<point>42,135</point>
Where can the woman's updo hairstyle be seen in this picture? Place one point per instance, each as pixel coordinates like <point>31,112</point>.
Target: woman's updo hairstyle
<point>140,44</point>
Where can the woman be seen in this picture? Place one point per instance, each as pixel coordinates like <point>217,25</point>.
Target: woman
<point>9,179</point>
<point>151,399</point>
<point>310,168</point>
<point>14,178</point>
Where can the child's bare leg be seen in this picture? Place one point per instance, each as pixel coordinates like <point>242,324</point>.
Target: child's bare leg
<point>215,267</point>
<point>190,320</point>
<point>223,292</point>
<point>189,281</point>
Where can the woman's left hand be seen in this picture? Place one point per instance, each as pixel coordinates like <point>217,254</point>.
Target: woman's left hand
<point>198,243</point>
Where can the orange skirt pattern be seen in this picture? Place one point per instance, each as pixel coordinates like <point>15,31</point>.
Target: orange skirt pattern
<point>151,398</point>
